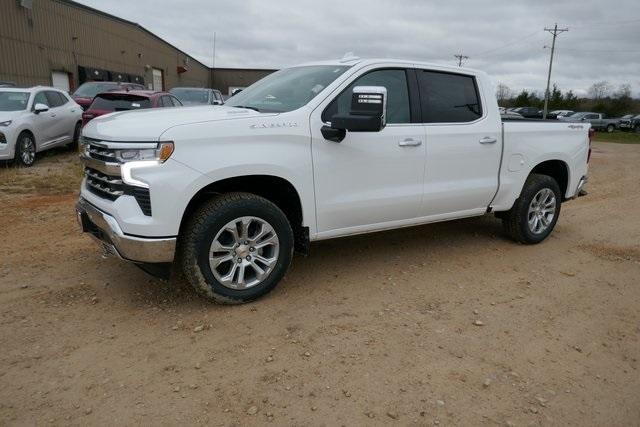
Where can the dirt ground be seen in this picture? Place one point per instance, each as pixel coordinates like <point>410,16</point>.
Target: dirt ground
<point>368,330</point>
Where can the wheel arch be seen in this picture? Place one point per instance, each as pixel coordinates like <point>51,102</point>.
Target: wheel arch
<point>556,169</point>
<point>277,190</point>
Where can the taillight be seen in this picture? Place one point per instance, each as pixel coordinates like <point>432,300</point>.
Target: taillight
<point>592,132</point>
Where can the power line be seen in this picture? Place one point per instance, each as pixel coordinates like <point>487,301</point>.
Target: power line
<point>555,31</point>
<point>460,58</point>
<point>511,43</point>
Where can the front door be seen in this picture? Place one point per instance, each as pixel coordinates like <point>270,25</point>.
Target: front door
<point>370,178</point>
<point>44,122</point>
<point>463,145</point>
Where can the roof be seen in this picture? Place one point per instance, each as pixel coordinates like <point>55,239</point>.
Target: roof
<point>125,21</point>
<point>28,89</point>
<point>351,61</point>
<point>145,93</point>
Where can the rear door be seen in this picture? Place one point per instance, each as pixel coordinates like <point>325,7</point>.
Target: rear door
<point>63,125</point>
<point>463,144</point>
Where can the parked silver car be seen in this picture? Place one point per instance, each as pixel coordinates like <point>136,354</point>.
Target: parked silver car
<point>36,119</point>
<point>197,96</point>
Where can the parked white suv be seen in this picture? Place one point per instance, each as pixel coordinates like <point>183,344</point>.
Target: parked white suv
<point>36,119</point>
<point>314,152</point>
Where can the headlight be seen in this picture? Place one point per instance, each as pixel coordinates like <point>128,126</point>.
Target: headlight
<point>5,124</point>
<point>159,154</point>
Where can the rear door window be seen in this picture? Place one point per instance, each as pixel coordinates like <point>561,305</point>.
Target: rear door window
<point>448,97</point>
<point>56,99</point>
<point>120,103</point>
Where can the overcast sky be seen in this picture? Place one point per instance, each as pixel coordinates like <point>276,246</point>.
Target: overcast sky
<point>503,37</point>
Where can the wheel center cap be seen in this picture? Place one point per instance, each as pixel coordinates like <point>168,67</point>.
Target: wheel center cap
<point>242,251</point>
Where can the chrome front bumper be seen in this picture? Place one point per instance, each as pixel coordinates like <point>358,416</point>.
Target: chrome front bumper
<point>105,229</point>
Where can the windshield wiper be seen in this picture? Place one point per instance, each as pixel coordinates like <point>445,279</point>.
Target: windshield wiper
<point>247,107</point>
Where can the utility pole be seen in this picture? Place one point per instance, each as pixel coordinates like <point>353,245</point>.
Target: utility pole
<point>555,31</point>
<point>213,63</point>
<point>460,57</point>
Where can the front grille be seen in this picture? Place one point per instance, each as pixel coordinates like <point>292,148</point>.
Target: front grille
<point>111,187</point>
<point>102,172</point>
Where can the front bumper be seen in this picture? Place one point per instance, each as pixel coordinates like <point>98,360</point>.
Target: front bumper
<point>105,229</point>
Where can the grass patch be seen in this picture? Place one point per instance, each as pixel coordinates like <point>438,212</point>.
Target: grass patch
<point>618,137</point>
<point>57,173</point>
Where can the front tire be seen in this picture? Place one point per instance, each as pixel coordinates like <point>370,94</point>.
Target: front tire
<point>76,137</point>
<point>236,248</point>
<point>25,150</point>
<point>535,213</point>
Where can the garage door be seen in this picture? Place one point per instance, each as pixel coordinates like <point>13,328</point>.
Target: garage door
<point>157,79</point>
<point>60,80</point>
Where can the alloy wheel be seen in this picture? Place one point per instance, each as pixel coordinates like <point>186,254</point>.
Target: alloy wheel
<point>27,150</point>
<point>244,252</point>
<point>542,210</point>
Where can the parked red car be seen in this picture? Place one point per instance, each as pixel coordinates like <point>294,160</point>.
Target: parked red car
<point>87,91</point>
<point>108,102</point>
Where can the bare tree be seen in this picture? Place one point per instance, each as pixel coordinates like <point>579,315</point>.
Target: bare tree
<point>624,91</point>
<point>599,90</point>
<point>503,92</point>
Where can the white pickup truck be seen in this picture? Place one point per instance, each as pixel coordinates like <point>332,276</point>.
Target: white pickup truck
<point>312,152</point>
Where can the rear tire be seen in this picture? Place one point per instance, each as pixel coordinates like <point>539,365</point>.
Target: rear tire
<point>535,213</point>
<point>25,150</point>
<point>236,248</point>
<point>611,128</point>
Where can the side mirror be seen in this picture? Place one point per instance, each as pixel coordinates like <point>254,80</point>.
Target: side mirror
<point>40,108</point>
<point>368,113</point>
<point>216,102</point>
<point>235,92</point>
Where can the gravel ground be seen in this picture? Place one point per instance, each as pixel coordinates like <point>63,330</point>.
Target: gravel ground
<point>449,324</point>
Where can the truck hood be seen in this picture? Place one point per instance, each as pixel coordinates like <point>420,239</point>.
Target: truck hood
<point>150,124</point>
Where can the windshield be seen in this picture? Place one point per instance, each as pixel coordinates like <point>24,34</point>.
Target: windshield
<point>288,89</point>
<point>89,90</point>
<point>120,102</point>
<point>191,96</point>
<point>578,115</point>
<point>13,101</point>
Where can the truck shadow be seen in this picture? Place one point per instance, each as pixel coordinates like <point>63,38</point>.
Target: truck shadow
<point>415,245</point>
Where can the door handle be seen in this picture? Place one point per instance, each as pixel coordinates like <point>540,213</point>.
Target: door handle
<point>488,140</point>
<point>53,115</point>
<point>410,142</point>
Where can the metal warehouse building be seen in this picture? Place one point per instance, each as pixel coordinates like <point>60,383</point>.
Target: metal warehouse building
<point>63,43</point>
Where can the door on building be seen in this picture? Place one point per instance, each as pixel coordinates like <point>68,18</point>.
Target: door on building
<point>60,80</point>
<point>157,79</point>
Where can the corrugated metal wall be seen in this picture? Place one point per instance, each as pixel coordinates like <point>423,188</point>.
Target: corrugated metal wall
<point>58,35</point>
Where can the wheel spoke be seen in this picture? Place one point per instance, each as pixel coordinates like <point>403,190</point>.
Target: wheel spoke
<point>217,260</point>
<point>267,242</point>
<point>228,278</point>
<point>259,270</point>
<point>241,269</point>
<point>266,261</point>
